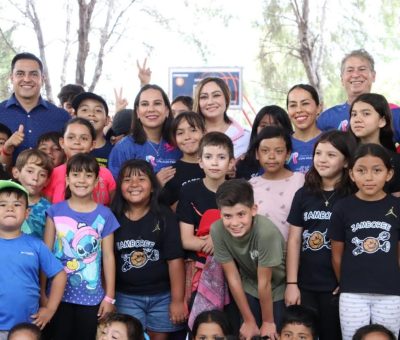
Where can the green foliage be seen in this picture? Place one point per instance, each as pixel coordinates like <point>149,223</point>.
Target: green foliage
<point>6,54</point>
<point>346,26</point>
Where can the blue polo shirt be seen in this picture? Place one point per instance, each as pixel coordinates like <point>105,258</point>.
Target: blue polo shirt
<point>44,117</point>
<point>338,118</point>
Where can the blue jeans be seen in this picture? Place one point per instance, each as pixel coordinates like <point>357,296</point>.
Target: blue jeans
<point>151,310</point>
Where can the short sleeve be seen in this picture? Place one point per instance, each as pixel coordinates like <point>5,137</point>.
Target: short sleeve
<point>221,253</point>
<point>111,223</point>
<point>295,216</point>
<point>184,208</point>
<point>48,262</point>
<point>172,244</point>
<point>270,246</point>
<point>336,230</point>
<point>121,152</point>
<point>108,179</point>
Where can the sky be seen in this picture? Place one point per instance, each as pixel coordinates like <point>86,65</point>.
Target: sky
<point>234,44</point>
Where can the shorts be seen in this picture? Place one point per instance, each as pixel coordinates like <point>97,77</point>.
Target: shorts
<point>151,310</point>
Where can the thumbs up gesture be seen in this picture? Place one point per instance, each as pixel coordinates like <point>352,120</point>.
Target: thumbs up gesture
<point>15,140</point>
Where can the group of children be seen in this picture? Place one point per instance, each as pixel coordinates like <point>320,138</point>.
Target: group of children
<point>153,228</point>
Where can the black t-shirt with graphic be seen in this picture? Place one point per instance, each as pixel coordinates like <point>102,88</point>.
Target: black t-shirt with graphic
<point>101,154</point>
<point>370,232</point>
<point>310,212</point>
<point>185,173</point>
<point>142,249</point>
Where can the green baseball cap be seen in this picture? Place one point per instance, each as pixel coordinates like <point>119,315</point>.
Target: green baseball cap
<point>4,184</point>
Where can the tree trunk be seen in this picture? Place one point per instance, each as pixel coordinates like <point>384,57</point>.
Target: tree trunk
<point>85,16</point>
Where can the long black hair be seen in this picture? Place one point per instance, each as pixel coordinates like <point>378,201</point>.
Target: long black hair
<point>137,129</point>
<point>381,106</point>
<point>119,205</point>
<point>345,143</point>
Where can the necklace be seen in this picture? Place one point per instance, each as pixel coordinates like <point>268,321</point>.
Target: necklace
<point>152,146</point>
<point>327,199</point>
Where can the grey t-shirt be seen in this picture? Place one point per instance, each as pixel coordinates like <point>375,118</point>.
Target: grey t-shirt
<point>263,246</point>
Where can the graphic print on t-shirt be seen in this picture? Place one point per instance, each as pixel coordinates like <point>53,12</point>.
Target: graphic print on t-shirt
<point>144,252</point>
<point>370,245</point>
<point>81,248</point>
<point>315,240</point>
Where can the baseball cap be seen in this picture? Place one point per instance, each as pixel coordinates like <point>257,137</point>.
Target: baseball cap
<point>88,95</point>
<point>8,184</point>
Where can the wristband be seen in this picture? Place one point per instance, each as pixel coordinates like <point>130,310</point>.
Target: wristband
<point>109,300</point>
<point>291,283</point>
<point>3,151</point>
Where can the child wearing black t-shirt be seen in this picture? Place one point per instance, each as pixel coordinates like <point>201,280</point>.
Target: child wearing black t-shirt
<point>150,271</point>
<point>310,277</point>
<point>365,233</point>
<point>197,206</point>
<point>187,129</point>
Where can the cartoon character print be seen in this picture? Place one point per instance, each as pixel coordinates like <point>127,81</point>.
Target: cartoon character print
<point>371,245</point>
<point>81,245</point>
<point>138,259</point>
<point>316,240</point>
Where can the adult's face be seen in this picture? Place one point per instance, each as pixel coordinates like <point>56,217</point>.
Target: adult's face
<point>357,76</point>
<point>27,79</point>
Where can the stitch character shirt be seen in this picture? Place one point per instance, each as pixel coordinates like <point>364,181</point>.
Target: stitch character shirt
<point>142,249</point>
<point>370,232</point>
<point>77,245</point>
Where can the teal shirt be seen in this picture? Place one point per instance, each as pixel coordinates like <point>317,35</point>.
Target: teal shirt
<point>34,224</point>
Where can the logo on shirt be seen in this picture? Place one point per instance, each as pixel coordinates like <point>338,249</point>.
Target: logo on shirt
<point>391,212</point>
<point>343,125</point>
<point>315,241</point>
<point>139,258</point>
<point>293,157</point>
<point>371,245</point>
<point>29,253</point>
<point>253,254</point>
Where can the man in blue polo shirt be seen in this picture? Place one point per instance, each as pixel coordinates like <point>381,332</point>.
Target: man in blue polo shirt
<point>26,106</point>
<point>357,75</point>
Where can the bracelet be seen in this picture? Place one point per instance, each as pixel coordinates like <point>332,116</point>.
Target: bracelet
<point>291,283</point>
<point>3,151</point>
<point>109,300</point>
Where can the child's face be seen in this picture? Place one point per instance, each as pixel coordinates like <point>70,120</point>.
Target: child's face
<point>152,111</point>
<point>32,177</point>
<point>209,331</point>
<point>113,331</point>
<point>272,154</point>
<point>294,331</point>
<point>302,109</point>
<point>77,139</point>
<point>188,138</point>
<point>370,175</point>
<point>365,122</point>
<point>329,161</point>
<point>53,150</point>
<point>238,219</point>
<point>81,183</point>
<point>267,120</point>
<point>23,334</point>
<point>3,138</point>
<point>179,107</point>
<point>93,111</point>
<point>376,336</point>
<point>136,188</point>
<point>215,161</point>
<point>67,106</point>
<point>13,212</point>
